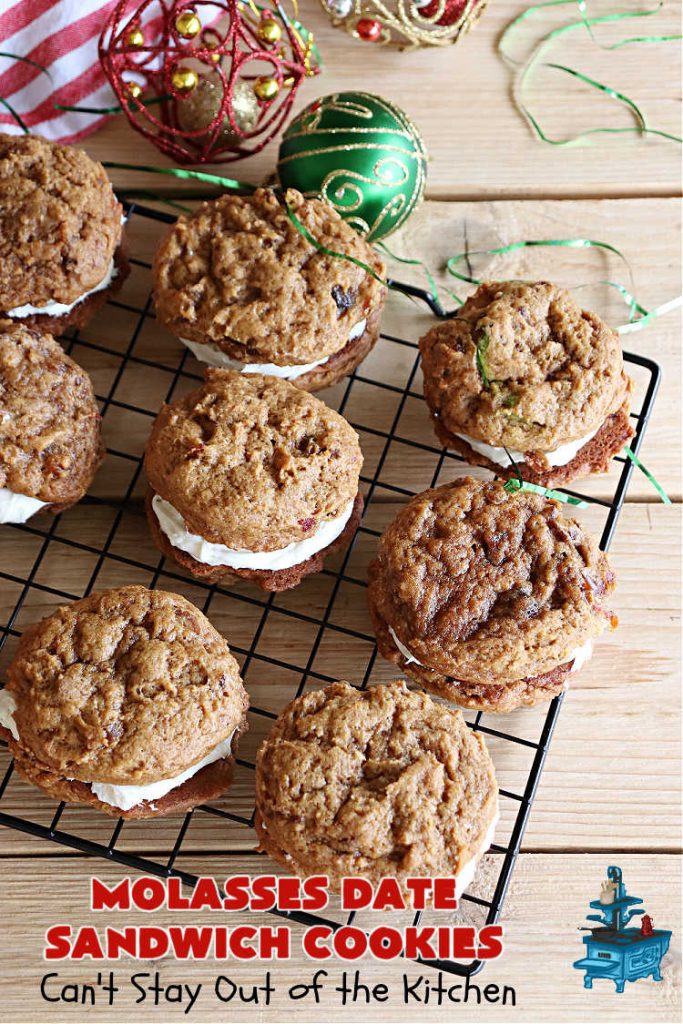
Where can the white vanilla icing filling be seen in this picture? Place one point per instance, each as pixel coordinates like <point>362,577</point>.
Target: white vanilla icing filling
<point>464,878</point>
<point>125,797</point>
<point>17,508</point>
<point>175,528</point>
<point>207,352</point>
<point>560,457</point>
<point>581,655</point>
<point>8,706</point>
<point>578,657</point>
<point>60,308</point>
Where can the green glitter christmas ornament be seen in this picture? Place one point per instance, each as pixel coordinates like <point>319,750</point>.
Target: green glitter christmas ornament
<point>362,154</point>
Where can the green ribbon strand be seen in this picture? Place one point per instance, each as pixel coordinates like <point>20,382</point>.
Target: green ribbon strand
<point>117,109</point>
<point>647,318</point>
<point>8,106</point>
<point>644,315</point>
<point>5,103</point>
<point>533,62</point>
<point>511,486</point>
<point>303,230</point>
<point>182,172</point>
<point>27,60</point>
<point>643,469</point>
<point>433,289</point>
<point>141,193</point>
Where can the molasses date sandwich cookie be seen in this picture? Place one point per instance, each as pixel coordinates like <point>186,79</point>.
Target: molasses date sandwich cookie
<point>523,374</point>
<point>488,598</point>
<point>242,287</point>
<point>250,476</point>
<point>50,444</point>
<point>128,700</point>
<point>61,235</point>
<point>383,782</point>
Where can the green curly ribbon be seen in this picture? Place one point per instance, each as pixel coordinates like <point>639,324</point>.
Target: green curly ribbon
<point>117,109</point>
<point>641,127</point>
<point>516,484</point>
<point>645,316</point>
<point>433,289</point>
<point>5,103</point>
<point>303,230</point>
<point>646,472</point>
<point>182,172</point>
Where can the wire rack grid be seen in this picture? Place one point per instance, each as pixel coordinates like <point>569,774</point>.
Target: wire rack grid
<point>519,742</point>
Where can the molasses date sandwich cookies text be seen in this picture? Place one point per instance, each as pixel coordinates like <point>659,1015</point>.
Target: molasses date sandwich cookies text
<point>488,598</point>
<point>128,700</point>
<point>375,783</point>
<point>61,236</point>
<point>522,374</point>
<point>251,476</point>
<point>50,443</point>
<point>243,288</point>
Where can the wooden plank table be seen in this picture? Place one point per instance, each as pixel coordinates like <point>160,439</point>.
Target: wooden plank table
<point>611,788</point>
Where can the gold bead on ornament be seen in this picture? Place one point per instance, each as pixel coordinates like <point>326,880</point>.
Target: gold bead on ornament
<point>266,88</point>
<point>188,25</point>
<point>135,37</point>
<point>269,31</point>
<point>134,89</point>
<point>184,80</point>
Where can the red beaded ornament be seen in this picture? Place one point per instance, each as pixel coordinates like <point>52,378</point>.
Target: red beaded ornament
<point>157,53</point>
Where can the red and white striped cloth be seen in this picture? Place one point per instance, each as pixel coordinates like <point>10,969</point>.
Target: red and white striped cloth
<point>61,36</point>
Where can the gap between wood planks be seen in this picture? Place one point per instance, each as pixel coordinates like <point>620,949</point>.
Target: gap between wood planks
<point>535,851</point>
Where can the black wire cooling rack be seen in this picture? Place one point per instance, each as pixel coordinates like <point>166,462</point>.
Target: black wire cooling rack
<point>402,436</point>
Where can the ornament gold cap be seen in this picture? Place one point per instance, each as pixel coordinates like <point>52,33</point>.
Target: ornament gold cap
<point>134,89</point>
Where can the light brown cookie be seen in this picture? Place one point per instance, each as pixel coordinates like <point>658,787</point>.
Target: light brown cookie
<point>522,367</point>
<point>238,278</point>
<point>488,598</point>
<point>60,230</point>
<point>50,443</point>
<point>125,688</point>
<point>246,466</point>
<point>373,783</point>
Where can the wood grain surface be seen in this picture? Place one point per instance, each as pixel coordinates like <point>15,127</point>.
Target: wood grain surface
<point>610,791</point>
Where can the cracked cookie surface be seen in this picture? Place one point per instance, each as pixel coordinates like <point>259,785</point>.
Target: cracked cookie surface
<point>50,445</point>
<point>237,273</point>
<point>127,686</point>
<point>253,462</point>
<point>523,366</point>
<point>486,587</point>
<point>373,783</point>
<point>60,222</point>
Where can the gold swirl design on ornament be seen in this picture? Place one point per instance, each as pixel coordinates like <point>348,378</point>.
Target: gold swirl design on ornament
<point>311,119</point>
<point>351,146</point>
<point>406,130</point>
<point>384,174</point>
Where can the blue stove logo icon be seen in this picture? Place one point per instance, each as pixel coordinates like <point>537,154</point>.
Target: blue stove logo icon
<point>613,951</point>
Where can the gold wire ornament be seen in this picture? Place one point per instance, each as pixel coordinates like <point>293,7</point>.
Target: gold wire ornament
<point>406,24</point>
